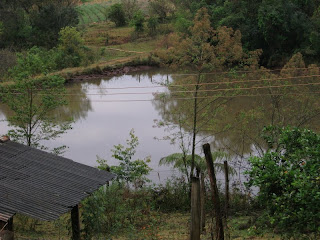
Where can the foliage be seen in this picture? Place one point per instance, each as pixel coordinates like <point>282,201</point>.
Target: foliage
<point>182,162</point>
<point>288,179</point>
<point>71,47</point>
<point>117,15</point>
<point>34,62</point>
<point>183,23</point>
<point>47,22</point>
<point>114,209</point>
<point>32,99</point>
<point>7,61</point>
<point>130,7</point>
<point>128,171</point>
<point>153,25</point>
<point>284,27</point>
<point>161,8</point>
<point>29,23</point>
<point>172,196</point>
<point>138,22</point>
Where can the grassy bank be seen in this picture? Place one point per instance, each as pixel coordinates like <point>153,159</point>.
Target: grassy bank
<point>165,226</point>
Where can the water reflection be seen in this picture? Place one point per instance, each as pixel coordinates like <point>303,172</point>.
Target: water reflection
<point>105,110</point>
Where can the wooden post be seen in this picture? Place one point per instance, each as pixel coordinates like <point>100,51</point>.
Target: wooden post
<point>195,209</point>
<point>202,197</point>
<point>75,222</point>
<point>215,193</point>
<point>6,230</point>
<point>226,174</point>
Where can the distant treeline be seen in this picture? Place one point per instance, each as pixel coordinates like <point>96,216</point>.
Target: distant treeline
<point>280,28</point>
<point>26,23</point>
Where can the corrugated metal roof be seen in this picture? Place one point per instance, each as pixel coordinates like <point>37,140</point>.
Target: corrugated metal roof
<point>43,185</point>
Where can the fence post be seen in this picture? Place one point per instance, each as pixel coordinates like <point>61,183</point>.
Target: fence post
<point>75,222</point>
<point>202,199</point>
<point>215,193</point>
<point>195,209</point>
<point>227,205</point>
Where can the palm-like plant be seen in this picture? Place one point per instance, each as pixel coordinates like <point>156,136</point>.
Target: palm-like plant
<point>182,162</point>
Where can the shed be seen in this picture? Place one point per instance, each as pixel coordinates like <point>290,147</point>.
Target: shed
<point>42,185</point>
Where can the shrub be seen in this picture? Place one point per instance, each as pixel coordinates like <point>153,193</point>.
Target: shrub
<point>128,171</point>
<point>7,61</point>
<point>288,176</point>
<point>138,22</point>
<point>71,47</point>
<point>172,196</point>
<point>153,25</point>
<point>116,14</point>
<point>114,209</point>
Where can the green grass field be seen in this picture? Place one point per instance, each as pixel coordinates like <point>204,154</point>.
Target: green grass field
<point>93,12</point>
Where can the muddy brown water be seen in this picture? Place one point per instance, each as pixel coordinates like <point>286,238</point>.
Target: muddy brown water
<point>105,110</point>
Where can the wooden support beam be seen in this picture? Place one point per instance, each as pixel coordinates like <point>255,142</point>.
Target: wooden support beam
<point>75,222</point>
<point>215,193</point>
<point>195,209</point>
<point>6,230</point>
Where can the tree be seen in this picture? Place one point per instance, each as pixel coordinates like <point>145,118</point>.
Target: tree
<point>71,47</point>
<point>138,22</point>
<point>288,179</point>
<point>34,22</point>
<point>161,8</point>
<point>204,50</point>
<point>32,100</point>
<point>128,171</point>
<point>117,15</point>
<point>153,25</point>
<point>183,163</point>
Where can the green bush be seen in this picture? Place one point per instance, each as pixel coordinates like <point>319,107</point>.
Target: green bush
<point>288,176</point>
<point>115,209</point>
<point>173,196</point>
<point>153,25</point>
<point>138,22</point>
<point>116,14</point>
<point>71,48</point>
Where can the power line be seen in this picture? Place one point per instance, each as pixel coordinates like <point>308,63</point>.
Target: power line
<point>245,71</point>
<point>204,84</point>
<point>188,91</point>
<point>192,98</point>
<point>194,84</point>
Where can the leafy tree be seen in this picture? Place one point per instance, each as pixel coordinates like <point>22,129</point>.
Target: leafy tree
<point>182,162</point>
<point>138,21</point>
<point>161,8</point>
<point>117,15</point>
<point>47,22</point>
<point>153,25</point>
<point>128,171</point>
<point>130,7</point>
<point>32,100</point>
<point>204,50</point>
<point>29,23</point>
<point>71,47</point>
<point>288,178</point>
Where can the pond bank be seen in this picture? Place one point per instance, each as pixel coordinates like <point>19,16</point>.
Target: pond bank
<point>121,70</point>
<point>108,69</point>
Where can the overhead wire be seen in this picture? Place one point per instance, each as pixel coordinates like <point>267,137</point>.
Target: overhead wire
<point>189,91</point>
<point>192,98</point>
<point>203,84</point>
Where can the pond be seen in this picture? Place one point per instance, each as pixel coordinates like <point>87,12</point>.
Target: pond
<point>106,110</point>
